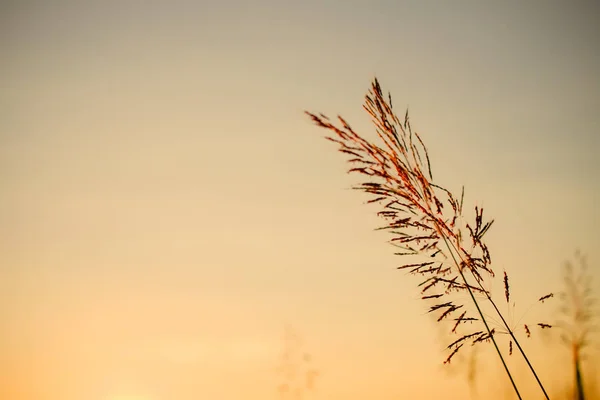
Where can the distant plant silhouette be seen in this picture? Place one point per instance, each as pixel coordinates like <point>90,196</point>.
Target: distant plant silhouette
<point>578,315</point>
<point>427,223</point>
<point>295,369</point>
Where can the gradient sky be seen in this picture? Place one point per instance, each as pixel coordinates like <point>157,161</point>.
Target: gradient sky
<point>167,208</point>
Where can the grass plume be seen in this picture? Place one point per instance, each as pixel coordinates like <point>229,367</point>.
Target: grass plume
<point>578,315</point>
<point>427,224</point>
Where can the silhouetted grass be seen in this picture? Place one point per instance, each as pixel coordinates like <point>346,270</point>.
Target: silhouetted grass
<point>426,222</point>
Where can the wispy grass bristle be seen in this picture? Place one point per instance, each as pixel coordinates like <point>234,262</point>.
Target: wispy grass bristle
<point>506,288</point>
<point>546,297</point>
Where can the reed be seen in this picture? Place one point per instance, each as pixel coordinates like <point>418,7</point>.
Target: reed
<point>578,316</point>
<point>427,224</point>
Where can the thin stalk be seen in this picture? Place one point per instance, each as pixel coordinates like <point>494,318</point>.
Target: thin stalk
<point>508,329</point>
<point>514,385</point>
<point>512,335</point>
<point>483,319</point>
<point>578,378</point>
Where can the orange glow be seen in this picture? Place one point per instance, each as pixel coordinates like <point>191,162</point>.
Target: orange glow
<point>166,208</point>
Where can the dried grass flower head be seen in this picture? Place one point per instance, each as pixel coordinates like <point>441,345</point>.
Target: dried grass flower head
<point>425,220</point>
<point>427,224</point>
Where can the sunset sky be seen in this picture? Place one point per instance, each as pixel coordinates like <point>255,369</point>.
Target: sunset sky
<point>167,209</point>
